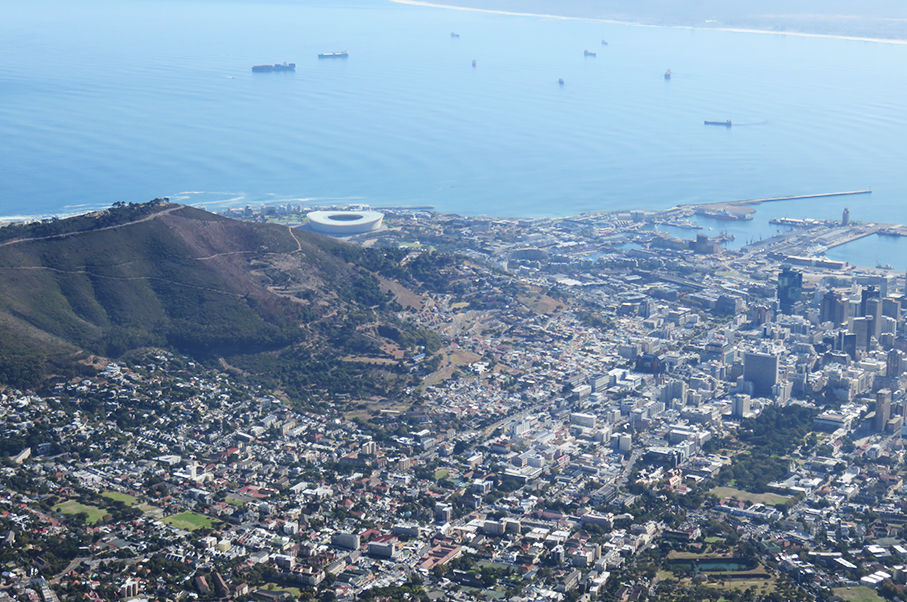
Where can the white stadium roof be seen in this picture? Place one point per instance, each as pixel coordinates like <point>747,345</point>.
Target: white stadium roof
<point>344,223</point>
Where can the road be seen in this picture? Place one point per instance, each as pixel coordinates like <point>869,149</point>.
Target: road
<point>70,567</point>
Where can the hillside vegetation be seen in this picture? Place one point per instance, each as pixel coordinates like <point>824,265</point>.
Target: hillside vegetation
<point>265,299</point>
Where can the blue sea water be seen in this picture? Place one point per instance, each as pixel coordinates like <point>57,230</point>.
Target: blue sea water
<point>102,101</point>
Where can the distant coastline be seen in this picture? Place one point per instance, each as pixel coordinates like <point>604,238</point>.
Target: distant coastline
<point>801,34</point>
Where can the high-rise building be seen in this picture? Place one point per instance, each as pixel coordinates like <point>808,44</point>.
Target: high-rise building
<point>740,407</point>
<point>761,369</point>
<point>894,364</point>
<point>624,443</point>
<point>891,308</point>
<point>832,308</point>
<point>874,310</point>
<point>883,409</point>
<point>845,217</point>
<point>790,289</point>
<point>870,292</point>
<point>863,329</point>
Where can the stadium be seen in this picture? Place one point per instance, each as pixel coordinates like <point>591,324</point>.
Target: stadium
<point>344,223</point>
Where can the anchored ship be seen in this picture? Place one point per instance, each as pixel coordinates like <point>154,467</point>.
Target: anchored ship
<point>724,123</point>
<point>668,74</point>
<point>454,35</point>
<point>561,81</point>
<point>604,43</point>
<point>333,55</point>
<point>269,68</point>
<point>587,53</point>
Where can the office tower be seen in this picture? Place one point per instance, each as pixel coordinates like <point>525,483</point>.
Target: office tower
<point>761,369</point>
<point>831,308</point>
<point>740,406</point>
<point>891,308</point>
<point>873,310</point>
<point>790,289</point>
<point>883,409</point>
<point>894,364</point>
<point>863,328</point>
<point>870,292</point>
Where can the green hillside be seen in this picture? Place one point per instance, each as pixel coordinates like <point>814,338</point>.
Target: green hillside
<point>283,303</point>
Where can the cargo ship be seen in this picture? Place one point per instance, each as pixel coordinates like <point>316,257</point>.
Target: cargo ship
<point>270,68</point>
<point>890,232</point>
<point>474,63</point>
<point>668,74</point>
<point>604,43</point>
<point>454,35</point>
<point>587,53</point>
<point>726,124</point>
<point>333,55</point>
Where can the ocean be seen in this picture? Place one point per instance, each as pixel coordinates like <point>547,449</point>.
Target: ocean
<point>128,100</point>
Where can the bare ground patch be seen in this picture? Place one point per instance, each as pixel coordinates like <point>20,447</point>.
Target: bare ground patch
<point>450,361</point>
<point>402,295</point>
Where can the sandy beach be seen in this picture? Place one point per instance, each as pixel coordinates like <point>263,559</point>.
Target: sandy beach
<point>639,24</point>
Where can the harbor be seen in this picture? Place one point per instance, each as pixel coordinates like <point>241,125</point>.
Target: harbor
<point>819,240</point>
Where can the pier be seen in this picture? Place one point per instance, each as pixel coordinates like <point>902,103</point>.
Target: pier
<point>838,238</point>
<point>779,198</point>
<point>802,196</point>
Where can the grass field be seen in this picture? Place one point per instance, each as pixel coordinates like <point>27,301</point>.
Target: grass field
<point>273,587</point>
<point>190,521</point>
<point>677,555</point>
<point>121,497</point>
<point>857,594</point>
<point>769,499</point>
<point>94,513</point>
<point>763,586</point>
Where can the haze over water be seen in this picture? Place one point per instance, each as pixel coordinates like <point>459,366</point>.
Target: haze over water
<point>130,100</point>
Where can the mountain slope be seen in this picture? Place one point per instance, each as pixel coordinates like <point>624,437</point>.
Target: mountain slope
<point>167,275</point>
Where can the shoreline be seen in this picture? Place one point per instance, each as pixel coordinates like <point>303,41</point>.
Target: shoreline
<point>421,3</point>
<point>682,212</point>
<point>742,205</point>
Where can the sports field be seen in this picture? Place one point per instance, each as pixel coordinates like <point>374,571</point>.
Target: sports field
<point>190,521</point>
<point>70,507</point>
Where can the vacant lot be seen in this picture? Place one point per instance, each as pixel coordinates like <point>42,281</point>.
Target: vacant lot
<point>94,513</point>
<point>151,511</point>
<point>540,303</point>
<point>189,521</point>
<point>450,361</point>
